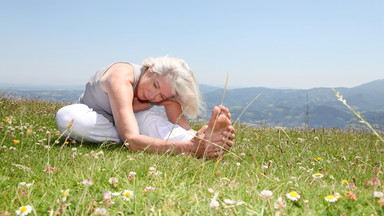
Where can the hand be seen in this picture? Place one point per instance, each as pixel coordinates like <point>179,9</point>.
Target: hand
<point>216,147</point>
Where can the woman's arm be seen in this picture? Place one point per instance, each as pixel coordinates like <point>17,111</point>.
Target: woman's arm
<point>117,83</point>
<point>175,113</point>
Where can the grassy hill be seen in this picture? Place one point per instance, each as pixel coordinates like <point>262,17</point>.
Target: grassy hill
<point>267,172</point>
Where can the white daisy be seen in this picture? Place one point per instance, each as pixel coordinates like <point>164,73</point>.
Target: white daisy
<point>293,196</point>
<point>317,175</point>
<point>128,195</point>
<point>65,194</point>
<point>331,198</point>
<point>24,210</point>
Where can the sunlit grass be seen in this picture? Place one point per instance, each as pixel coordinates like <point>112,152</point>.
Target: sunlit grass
<point>268,171</point>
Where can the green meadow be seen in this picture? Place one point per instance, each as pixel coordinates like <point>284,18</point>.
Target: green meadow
<point>269,171</point>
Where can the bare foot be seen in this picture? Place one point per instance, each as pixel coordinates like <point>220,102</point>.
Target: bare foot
<point>218,136</point>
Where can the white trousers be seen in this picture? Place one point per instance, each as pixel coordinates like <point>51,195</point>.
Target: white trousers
<point>90,126</point>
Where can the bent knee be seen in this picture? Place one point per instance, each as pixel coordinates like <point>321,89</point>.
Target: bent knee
<point>63,118</point>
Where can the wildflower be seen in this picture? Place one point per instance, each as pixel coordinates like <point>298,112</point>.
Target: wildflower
<point>317,175</point>
<point>98,154</point>
<point>293,196</point>
<point>100,211</point>
<point>113,181</point>
<point>331,198</point>
<point>16,141</point>
<point>350,195</point>
<point>24,210</point>
<point>316,139</point>
<point>28,185</point>
<point>211,191</point>
<point>74,149</point>
<point>338,196</point>
<point>280,204</point>
<point>300,139</point>
<point>50,169</point>
<point>107,195</point>
<point>116,194</point>
<point>374,182</point>
<point>4,148</point>
<point>152,170</point>
<point>87,182</point>
<point>377,170</point>
<point>238,164</point>
<point>214,204</point>
<point>22,183</point>
<point>128,195</point>
<point>319,158</point>
<point>65,194</point>
<point>229,202</point>
<point>331,177</point>
<point>344,182</point>
<point>357,158</point>
<point>266,194</point>
<point>12,148</point>
<point>131,175</point>
<point>343,158</point>
<point>148,189</point>
<point>378,194</point>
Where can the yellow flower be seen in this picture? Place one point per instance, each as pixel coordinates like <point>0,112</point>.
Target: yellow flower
<point>16,141</point>
<point>344,181</point>
<point>319,158</point>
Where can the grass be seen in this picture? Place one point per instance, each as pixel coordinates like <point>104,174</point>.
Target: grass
<point>275,159</point>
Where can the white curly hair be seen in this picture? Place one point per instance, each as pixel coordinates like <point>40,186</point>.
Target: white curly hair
<point>182,79</point>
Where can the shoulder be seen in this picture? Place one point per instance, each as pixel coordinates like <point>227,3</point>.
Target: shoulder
<point>118,74</point>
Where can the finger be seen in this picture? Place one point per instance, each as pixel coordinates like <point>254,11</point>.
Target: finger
<point>202,130</point>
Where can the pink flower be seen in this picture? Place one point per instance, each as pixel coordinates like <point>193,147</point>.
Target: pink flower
<point>87,182</point>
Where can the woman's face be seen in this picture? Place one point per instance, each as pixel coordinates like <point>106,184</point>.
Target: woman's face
<point>153,87</point>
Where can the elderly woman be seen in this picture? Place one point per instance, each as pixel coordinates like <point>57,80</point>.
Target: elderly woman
<point>115,103</point>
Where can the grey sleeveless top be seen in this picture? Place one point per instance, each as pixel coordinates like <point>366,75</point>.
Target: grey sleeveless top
<point>95,98</point>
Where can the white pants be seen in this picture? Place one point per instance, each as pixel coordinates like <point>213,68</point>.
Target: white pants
<point>93,127</point>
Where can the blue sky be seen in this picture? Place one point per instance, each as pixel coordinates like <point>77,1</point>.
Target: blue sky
<point>281,43</point>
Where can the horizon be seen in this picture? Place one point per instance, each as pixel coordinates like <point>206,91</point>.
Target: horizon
<point>281,44</point>
<point>28,86</point>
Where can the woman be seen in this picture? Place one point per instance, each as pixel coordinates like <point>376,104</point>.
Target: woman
<point>115,103</point>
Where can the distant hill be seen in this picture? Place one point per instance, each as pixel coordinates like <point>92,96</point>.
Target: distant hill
<point>288,107</point>
<point>316,108</point>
